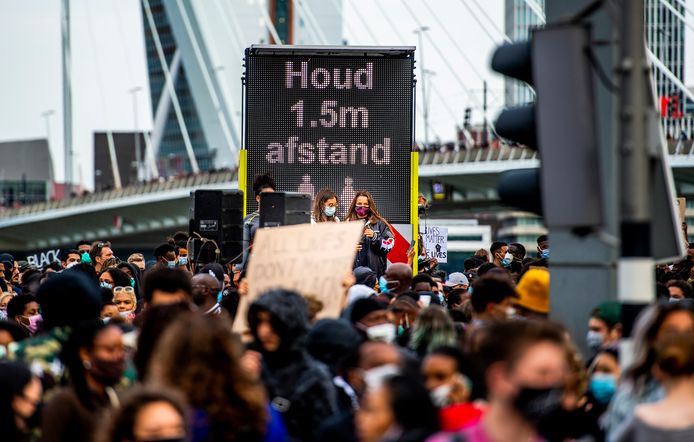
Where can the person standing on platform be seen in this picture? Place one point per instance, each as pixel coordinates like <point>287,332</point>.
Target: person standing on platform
<point>324,207</point>
<point>261,183</point>
<point>377,239</point>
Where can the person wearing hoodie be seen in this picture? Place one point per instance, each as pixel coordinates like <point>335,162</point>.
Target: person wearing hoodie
<point>334,342</point>
<point>298,386</point>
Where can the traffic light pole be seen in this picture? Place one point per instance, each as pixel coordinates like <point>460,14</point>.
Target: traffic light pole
<point>584,267</point>
<point>636,283</point>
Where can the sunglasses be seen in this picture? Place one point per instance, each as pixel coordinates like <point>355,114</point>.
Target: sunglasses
<point>125,289</point>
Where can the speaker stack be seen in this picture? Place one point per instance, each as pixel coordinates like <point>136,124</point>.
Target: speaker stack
<point>284,209</point>
<point>216,226</point>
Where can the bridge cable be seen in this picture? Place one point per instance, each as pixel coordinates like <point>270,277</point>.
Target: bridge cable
<point>172,89</point>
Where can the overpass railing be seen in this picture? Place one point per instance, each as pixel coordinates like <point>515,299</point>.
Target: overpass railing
<point>192,181</point>
<point>476,155</point>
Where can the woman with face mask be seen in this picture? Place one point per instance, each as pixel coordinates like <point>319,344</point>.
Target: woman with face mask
<point>377,239</point>
<point>449,388</point>
<point>125,300</point>
<point>95,360</point>
<point>113,277</point>
<point>639,385</point>
<point>24,311</point>
<point>20,395</point>
<point>324,207</point>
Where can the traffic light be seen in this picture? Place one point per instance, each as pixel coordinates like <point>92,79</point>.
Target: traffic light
<point>466,118</point>
<point>560,124</point>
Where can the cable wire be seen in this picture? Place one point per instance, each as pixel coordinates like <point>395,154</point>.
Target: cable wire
<point>492,22</point>
<point>457,46</point>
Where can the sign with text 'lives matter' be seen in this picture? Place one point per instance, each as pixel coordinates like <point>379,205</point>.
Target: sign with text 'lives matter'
<point>436,243</point>
<point>309,259</point>
<point>336,117</point>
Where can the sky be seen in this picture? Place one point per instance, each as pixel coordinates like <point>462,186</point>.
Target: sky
<point>108,60</point>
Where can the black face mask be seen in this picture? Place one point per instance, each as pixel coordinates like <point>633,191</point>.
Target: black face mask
<point>108,373</point>
<point>34,421</point>
<point>562,424</point>
<point>536,404</point>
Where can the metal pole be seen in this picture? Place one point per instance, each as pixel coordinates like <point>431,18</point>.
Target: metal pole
<point>138,153</point>
<point>47,117</point>
<point>420,31</point>
<point>67,97</point>
<point>485,127</point>
<point>635,268</point>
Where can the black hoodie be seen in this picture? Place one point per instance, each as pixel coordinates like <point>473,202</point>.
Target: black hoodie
<point>299,387</point>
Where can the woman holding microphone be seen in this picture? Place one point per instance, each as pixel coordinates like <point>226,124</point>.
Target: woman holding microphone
<point>377,239</point>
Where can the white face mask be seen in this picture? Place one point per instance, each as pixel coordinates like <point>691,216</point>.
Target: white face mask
<point>385,332</point>
<point>439,395</point>
<point>510,312</point>
<point>374,377</point>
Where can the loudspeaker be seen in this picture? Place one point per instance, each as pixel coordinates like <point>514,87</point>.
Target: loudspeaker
<point>284,209</point>
<point>216,215</point>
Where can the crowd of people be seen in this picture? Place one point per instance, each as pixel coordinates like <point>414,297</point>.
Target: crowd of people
<point>98,348</point>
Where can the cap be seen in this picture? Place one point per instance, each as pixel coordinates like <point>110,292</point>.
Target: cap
<point>610,312</point>
<point>456,278</point>
<point>363,307</point>
<point>533,291</point>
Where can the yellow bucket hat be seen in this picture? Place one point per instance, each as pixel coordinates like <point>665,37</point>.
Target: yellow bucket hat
<point>533,291</point>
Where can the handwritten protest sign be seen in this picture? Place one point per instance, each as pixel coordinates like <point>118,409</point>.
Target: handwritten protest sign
<point>436,243</point>
<point>309,259</point>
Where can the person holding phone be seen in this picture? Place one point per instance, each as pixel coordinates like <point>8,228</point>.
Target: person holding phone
<point>377,238</point>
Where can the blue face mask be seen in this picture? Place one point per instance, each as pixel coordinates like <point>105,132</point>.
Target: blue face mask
<point>508,258</point>
<point>183,260</point>
<point>603,387</point>
<point>330,211</point>
<point>544,254</point>
<point>106,285</point>
<point>86,258</point>
<point>171,264</point>
<point>383,285</point>
<point>220,296</point>
<point>132,282</point>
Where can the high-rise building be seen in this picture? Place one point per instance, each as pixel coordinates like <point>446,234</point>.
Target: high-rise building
<point>203,44</point>
<point>665,39</point>
<point>520,17</point>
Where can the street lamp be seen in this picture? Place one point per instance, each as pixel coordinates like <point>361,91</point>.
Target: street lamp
<point>138,155</point>
<point>420,36</point>
<point>47,114</point>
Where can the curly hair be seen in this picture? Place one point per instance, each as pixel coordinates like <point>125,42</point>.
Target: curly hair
<point>201,357</point>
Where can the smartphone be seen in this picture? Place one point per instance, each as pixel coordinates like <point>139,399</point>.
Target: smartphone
<point>412,243</point>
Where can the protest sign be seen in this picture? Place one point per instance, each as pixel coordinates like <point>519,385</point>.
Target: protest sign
<point>682,210</point>
<point>436,243</point>
<point>309,259</point>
